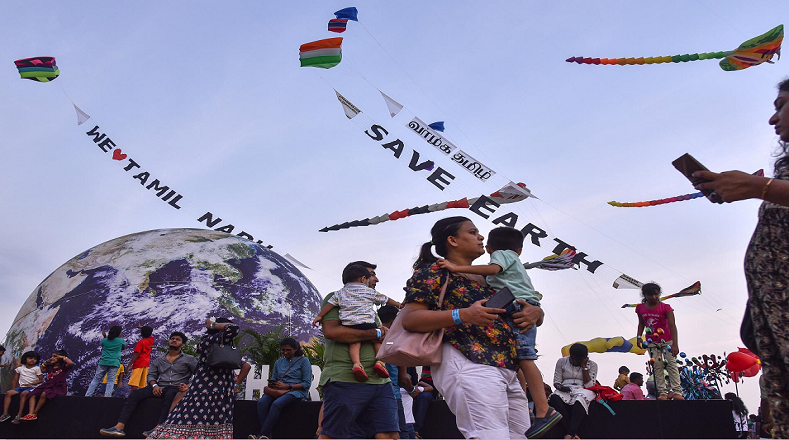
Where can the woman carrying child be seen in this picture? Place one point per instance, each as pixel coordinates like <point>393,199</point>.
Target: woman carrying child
<point>477,375</point>
<point>356,302</point>
<point>57,369</point>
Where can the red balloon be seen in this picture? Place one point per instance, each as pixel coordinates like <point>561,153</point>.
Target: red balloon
<point>739,362</point>
<point>752,371</point>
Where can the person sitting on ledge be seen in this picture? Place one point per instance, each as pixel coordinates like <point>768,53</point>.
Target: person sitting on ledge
<point>167,375</point>
<point>632,391</point>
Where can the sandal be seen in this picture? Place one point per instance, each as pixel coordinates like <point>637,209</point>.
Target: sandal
<point>542,425</point>
<point>359,374</point>
<point>29,417</point>
<point>380,369</point>
<point>16,420</point>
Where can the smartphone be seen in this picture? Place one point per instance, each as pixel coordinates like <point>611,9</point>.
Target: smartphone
<point>501,299</point>
<point>687,165</point>
<point>270,381</point>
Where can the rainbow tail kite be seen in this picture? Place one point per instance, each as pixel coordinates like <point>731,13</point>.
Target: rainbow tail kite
<point>753,52</point>
<point>510,193</point>
<point>759,173</point>
<point>693,289</point>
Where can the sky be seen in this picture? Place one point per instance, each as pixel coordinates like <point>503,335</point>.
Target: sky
<point>209,98</point>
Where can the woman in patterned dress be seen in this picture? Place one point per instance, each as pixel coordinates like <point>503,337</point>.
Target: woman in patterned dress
<point>477,373</point>
<point>206,411</point>
<point>767,262</point>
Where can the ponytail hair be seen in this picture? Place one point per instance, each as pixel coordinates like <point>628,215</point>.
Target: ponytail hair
<point>443,229</point>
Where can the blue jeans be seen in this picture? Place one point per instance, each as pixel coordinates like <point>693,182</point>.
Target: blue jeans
<point>269,409</point>
<point>101,370</point>
<point>372,407</point>
<point>525,341</point>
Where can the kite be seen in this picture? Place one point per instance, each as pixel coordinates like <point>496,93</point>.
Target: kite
<point>41,69</point>
<point>338,25</point>
<point>510,193</point>
<point>681,198</point>
<point>437,126</point>
<point>555,262</point>
<point>348,13</point>
<point>616,344</point>
<point>322,53</point>
<point>693,289</point>
<point>753,52</point>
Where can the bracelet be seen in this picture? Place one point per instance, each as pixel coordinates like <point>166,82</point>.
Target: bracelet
<point>766,187</point>
<point>412,391</point>
<point>456,316</point>
<point>378,333</point>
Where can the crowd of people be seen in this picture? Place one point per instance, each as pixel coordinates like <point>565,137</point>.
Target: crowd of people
<point>483,348</point>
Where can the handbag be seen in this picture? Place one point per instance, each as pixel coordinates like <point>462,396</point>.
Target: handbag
<point>412,349</point>
<point>224,356</point>
<point>278,393</point>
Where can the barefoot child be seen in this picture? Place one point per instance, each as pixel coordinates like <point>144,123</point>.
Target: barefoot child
<point>657,318</point>
<point>57,369</point>
<point>506,270</point>
<point>356,302</point>
<point>26,377</point>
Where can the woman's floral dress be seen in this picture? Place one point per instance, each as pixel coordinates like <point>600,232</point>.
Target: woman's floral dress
<point>206,411</point>
<point>767,275</point>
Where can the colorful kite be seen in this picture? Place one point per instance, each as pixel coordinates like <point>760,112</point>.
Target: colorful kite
<point>555,262</point>
<point>616,344</point>
<point>753,52</point>
<point>693,289</point>
<point>41,69</point>
<point>338,25</point>
<point>322,53</point>
<point>681,198</point>
<point>510,193</point>
<point>348,13</point>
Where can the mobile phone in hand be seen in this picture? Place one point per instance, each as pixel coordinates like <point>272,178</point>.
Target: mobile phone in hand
<point>687,165</point>
<point>501,299</point>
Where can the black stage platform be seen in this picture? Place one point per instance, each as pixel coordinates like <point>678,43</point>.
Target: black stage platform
<point>82,417</point>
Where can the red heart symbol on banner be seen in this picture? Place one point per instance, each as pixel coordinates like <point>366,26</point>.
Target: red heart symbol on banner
<point>118,155</point>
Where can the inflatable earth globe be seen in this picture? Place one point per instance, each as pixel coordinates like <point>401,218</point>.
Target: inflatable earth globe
<point>169,279</point>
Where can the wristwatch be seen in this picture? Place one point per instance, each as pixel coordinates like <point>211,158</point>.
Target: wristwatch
<point>290,387</point>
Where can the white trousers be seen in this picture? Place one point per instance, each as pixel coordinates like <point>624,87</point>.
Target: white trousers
<point>488,402</point>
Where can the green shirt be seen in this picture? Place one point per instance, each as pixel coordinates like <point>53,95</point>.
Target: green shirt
<point>512,275</point>
<point>337,359</point>
<point>111,351</point>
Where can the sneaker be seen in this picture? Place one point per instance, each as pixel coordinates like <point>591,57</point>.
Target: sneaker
<point>4,417</point>
<point>544,424</point>
<point>380,370</point>
<point>112,432</point>
<point>29,418</point>
<point>148,433</point>
<point>359,374</point>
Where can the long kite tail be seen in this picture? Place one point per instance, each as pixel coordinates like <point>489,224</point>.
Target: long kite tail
<point>657,202</point>
<point>396,215</point>
<point>651,60</point>
<point>509,193</point>
<point>753,52</point>
<point>681,198</point>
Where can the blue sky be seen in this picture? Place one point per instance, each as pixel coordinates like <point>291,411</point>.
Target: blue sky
<point>210,98</point>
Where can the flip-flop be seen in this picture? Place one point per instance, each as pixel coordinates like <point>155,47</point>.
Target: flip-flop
<point>360,375</point>
<point>542,425</point>
<point>380,370</point>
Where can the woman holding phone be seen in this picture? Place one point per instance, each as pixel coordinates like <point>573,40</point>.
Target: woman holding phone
<point>479,362</point>
<point>767,261</point>
<point>573,374</point>
<point>290,381</point>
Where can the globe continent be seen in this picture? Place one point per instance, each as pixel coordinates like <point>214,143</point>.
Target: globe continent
<point>169,279</point>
